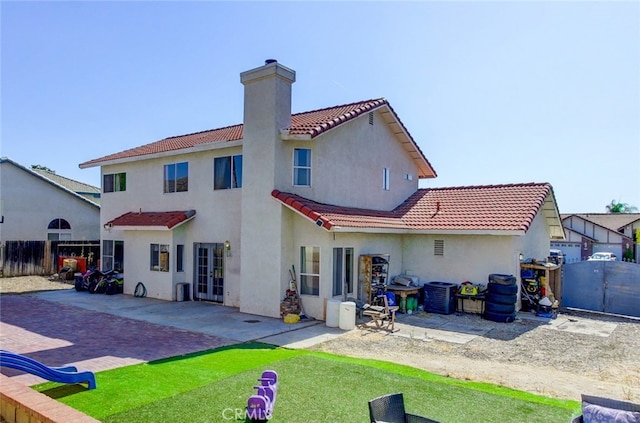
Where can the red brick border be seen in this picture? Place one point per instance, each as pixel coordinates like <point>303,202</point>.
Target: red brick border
<point>21,404</point>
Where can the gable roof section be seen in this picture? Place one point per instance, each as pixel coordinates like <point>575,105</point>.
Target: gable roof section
<point>581,234</point>
<point>68,183</point>
<point>53,181</point>
<point>306,125</point>
<point>86,190</point>
<point>581,217</point>
<point>613,221</point>
<point>151,220</point>
<point>490,209</point>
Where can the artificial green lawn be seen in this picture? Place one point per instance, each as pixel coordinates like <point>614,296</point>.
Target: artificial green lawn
<point>313,387</point>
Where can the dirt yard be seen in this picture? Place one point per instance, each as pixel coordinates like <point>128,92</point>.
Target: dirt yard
<point>528,355</point>
<point>560,360</point>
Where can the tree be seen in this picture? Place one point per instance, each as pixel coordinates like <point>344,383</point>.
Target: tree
<point>618,207</point>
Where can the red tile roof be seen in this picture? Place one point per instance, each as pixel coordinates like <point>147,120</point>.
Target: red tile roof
<point>311,124</point>
<point>316,122</point>
<point>473,208</point>
<point>153,219</point>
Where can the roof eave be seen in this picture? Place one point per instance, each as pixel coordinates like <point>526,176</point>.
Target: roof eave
<point>410,231</point>
<point>142,228</point>
<point>409,144</point>
<point>151,227</point>
<point>286,136</point>
<point>214,145</point>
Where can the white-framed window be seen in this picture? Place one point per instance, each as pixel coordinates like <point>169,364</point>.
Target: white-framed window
<point>179,258</point>
<point>59,230</point>
<point>386,179</point>
<point>112,255</point>
<point>114,182</point>
<point>302,167</point>
<point>310,270</point>
<point>227,172</point>
<point>176,177</point>
<point>159,258</point>
<point>343,271</point>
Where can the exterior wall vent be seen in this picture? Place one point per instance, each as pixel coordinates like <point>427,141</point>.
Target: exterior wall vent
<point>438,247</point>
<point>370,118</point>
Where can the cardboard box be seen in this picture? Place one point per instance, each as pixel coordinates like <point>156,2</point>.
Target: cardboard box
<point>471,306</point>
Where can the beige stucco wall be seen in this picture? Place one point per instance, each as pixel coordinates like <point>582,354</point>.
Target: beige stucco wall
<point>466,257</point>
<point>216,221</point>
<point>348,163</point>
<point>306,233</point>
<point>29,204</point>
<point>137,267</point>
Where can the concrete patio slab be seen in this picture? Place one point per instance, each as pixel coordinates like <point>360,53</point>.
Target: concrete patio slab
<point>198,316</point>
<point>584,326</point>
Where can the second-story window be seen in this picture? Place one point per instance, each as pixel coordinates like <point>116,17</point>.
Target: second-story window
<point>386,179</point>
<point>114,182</point>
<point>302,167</point>
<point>176,177</point>
<point>227,172</point>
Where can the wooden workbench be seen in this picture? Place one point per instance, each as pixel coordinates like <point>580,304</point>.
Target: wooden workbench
<point>403,291</point>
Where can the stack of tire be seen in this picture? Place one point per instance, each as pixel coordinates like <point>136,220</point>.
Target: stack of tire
<point>501,298</point>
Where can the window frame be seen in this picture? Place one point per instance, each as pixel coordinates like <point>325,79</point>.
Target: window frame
<point>59,229</point>
<point>233,172</point>
<point>180,258</point>
<point>344,274</point>
<point>310,280</point>
<point>386,179</point>
<point>171,177</point>
<point>299,168</point>
<point>118,182</point>
<point>156,251</point>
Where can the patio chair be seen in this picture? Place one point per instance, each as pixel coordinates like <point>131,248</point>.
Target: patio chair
<point>390,409</point>
<point>382,317</point>
<point>598,409</point>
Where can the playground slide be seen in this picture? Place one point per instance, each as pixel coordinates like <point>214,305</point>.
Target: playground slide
<point>55,374</point>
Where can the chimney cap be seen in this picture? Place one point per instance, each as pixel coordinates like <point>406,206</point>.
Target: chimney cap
<point>269,61</point>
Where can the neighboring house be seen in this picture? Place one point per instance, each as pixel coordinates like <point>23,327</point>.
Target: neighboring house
<point>230,211</point>
<point>38,205</point>
<point>590,233</point>
<point>88,191</point>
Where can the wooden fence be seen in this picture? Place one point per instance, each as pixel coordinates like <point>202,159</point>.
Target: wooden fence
<point>26,258</point>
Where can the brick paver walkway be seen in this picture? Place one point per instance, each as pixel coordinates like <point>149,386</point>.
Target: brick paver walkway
<point>59,335</point>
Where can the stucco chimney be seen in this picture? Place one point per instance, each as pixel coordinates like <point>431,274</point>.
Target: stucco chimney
<point>266,164</point>
<point>267,96</point>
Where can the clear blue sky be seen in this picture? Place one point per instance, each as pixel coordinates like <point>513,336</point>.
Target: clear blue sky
<point>493,92</point>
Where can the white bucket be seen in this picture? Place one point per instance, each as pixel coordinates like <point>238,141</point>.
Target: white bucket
<point>347,315</point>
<point>333,313</point>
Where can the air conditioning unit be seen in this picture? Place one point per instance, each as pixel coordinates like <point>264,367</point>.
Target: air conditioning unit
<point>439,297</point>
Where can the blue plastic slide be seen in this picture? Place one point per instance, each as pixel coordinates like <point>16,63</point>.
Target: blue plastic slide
<point>55,374</point>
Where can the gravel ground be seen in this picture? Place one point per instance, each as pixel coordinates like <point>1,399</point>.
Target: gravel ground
<point>524,355</point>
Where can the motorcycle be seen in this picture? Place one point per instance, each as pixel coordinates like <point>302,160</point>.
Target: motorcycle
<point>83,282</point>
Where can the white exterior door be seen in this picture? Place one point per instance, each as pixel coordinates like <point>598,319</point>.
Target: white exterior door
<point>209,272</point>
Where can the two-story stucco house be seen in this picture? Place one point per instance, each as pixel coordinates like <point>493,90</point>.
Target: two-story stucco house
<point>230,211</point>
